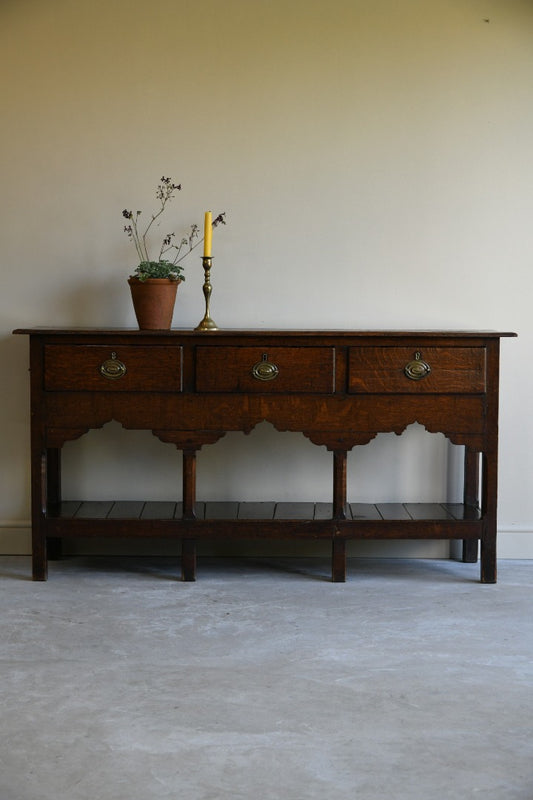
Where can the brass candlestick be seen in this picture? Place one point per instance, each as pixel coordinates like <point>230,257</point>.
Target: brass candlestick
<point>207,324</point>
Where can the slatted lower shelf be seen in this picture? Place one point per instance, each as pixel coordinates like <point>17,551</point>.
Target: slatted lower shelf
<point>162,510</point>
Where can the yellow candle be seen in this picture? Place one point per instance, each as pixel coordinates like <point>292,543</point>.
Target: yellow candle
<point>208,234</point>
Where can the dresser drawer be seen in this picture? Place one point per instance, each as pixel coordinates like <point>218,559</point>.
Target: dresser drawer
<point>265,369</point>
<point>410,370</point>
<point>120,368</point>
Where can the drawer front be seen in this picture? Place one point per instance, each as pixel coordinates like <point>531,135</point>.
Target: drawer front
<point>265,369</point>
<point>408,370</point>
<point>120,368</point>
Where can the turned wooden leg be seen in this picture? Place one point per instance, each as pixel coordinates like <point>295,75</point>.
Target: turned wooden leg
<point>53,482</point>
<point>339,484</point>
<point>471,498</point>
<point>338,553</point>
<point>489,505</point>
<point>188,546</point>
<point>38,509</point>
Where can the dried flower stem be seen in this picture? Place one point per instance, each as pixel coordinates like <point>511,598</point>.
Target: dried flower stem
<point>165,192</point>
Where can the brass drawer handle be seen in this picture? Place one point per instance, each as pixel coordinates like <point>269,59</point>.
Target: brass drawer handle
<point>417,369</point>
<point>264,370</point>
<point>112,368</point>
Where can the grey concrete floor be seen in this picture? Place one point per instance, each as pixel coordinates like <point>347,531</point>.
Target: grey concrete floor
<point>265,680</point>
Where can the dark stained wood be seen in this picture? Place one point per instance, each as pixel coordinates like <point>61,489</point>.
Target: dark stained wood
<point>39,466</point>
<point>301,369</point>
<point>427,511</point>
<point>263,510</point>
<point>188,551</point>
<point>453,369</point>
<point>489,471</point>
<point>95,509</point>
<point>393,511</point>
<point>338,560</point>
<point>339,483</point>
<point>294,511</point>
<point>148,368</point>
<point>126,509</point>
<point>471,499</point>
<point>323,511</point>
<point>277,528</point>
<point>257,510</point>
<point>54,545</point>
<point>66,509</point>
<point>339,388</point>
<point>189,484</point>
<point>188,560</point>
<point>462,511</point>
<point>453,414</point>
<point>311,336</point>
<point>362,511</point>
<point>159,509</point>
<point>221,510</point>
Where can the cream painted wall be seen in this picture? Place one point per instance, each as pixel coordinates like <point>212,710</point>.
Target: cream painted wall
<point>375,163</point>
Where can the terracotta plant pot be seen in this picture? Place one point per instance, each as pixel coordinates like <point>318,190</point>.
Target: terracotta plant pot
<point>153,301</point>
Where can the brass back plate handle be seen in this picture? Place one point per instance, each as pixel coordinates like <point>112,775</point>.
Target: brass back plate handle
<point>264,370</point>
<point>417,369</point>
<point>112,368</point>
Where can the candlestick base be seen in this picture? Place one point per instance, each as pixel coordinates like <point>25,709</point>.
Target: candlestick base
<point>207,324</point>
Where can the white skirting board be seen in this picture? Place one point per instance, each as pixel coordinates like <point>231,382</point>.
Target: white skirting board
<point>515,543</point>
<point>15,538</point>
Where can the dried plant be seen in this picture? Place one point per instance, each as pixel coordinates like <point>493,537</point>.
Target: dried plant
<point>163,267</point>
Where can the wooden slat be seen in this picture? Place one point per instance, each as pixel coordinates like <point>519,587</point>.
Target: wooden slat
<point>261,510</point>
<point>364,511</point>
<point>126,509</point>
<point>294,511</point>
<point>323,510</point>
<point>221,510</point>
<point>68,508</point>
<point>256,510</point>
<point>392,511</point>
<point>94,509</point>
<point>158,509</point>
<point>427,511</point>
<point>462,511</point>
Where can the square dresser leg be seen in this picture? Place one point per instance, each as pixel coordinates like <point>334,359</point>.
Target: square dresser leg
<point>338,561</point>
<point>188,560</point>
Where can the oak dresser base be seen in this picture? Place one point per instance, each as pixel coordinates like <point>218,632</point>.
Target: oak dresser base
<point>339,388</point>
